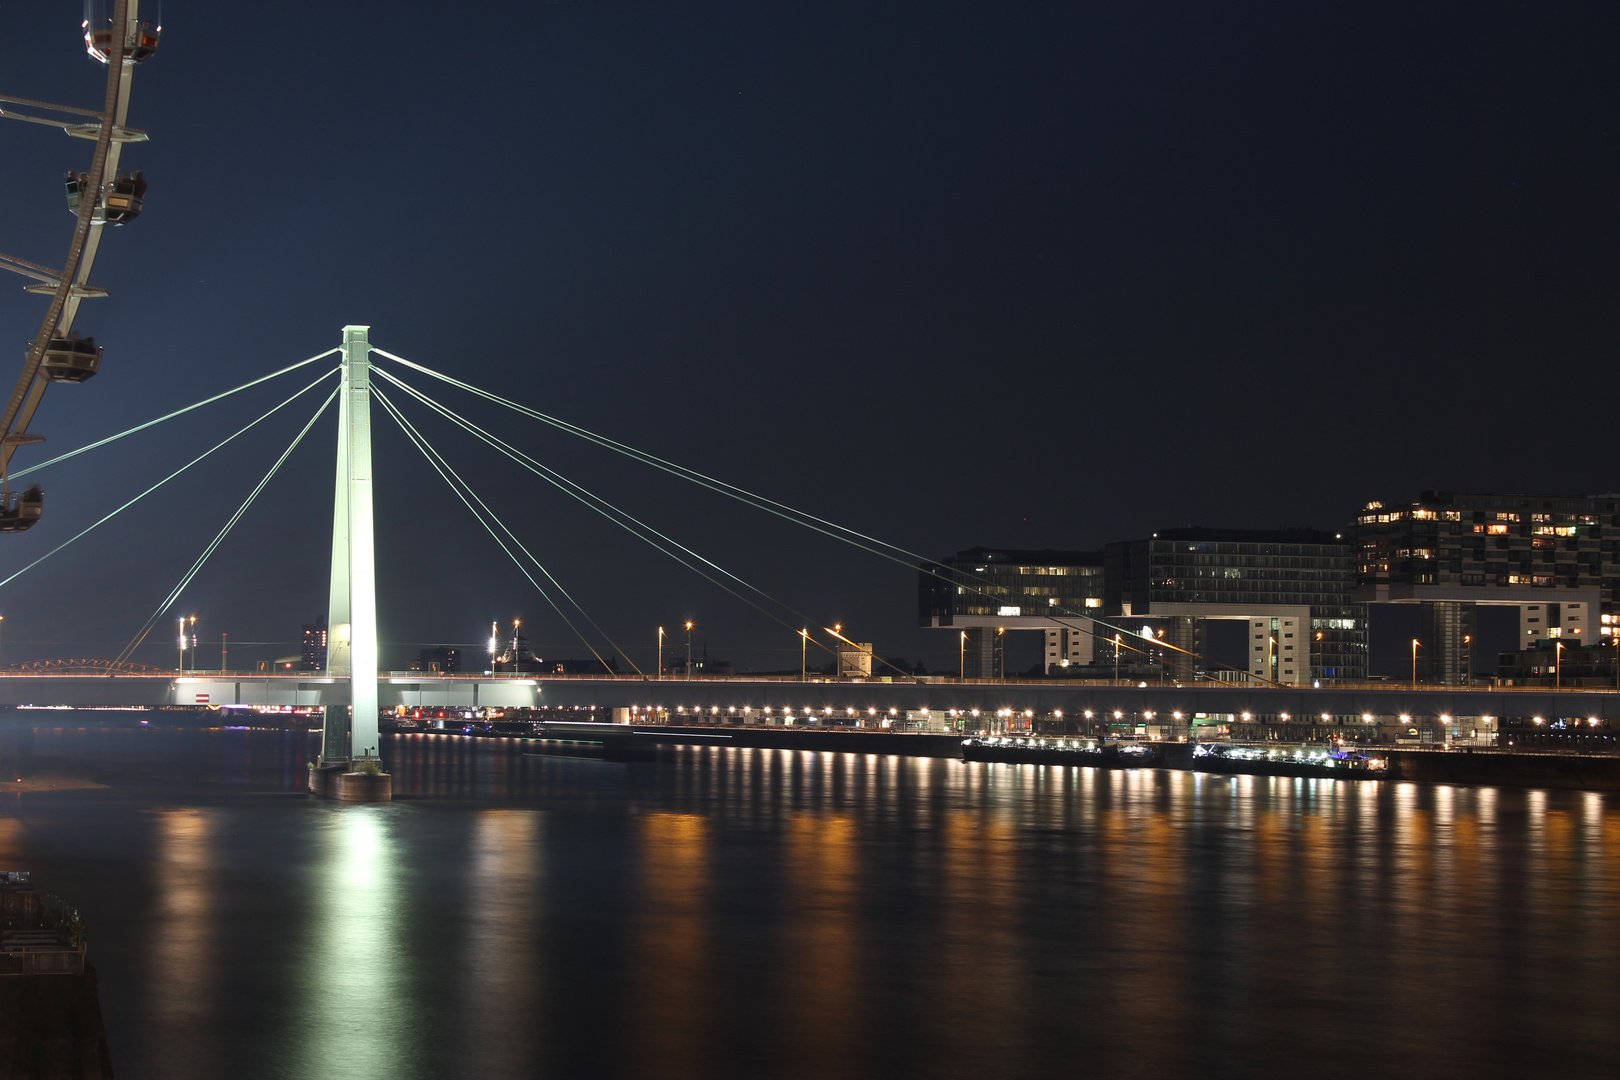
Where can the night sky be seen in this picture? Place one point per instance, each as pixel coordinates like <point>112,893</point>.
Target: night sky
<point>1034,275</point>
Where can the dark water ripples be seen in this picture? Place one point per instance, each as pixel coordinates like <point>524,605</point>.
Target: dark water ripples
<point>735,912</point>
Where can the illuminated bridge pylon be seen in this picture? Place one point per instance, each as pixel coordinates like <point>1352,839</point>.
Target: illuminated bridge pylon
<point>349,734</point>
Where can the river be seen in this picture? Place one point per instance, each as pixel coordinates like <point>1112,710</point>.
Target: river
<point>761,913</point>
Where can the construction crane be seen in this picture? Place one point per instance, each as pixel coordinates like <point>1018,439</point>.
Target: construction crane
<point>100,197</point>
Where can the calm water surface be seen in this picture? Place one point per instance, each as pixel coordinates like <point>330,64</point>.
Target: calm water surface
<point>748,913</point>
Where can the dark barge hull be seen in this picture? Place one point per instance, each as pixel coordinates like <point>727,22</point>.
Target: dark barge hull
<point>1105,758</point>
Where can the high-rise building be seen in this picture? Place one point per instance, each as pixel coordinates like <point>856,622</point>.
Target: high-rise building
<point>985,593</point>
<point>1547,555</point>
<point>1293,587</point>
<point>312,647</point>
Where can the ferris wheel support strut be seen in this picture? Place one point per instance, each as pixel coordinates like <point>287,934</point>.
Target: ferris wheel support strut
<point>71,286</point>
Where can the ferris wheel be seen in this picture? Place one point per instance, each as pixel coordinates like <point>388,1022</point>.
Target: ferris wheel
<point>117,36</point>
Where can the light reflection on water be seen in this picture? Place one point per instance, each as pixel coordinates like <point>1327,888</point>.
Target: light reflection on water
<point>183,963</point>
<point>733,912</point>
<point>354,1005</point>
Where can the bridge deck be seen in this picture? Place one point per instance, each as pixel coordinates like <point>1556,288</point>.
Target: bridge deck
<point>724,695</point>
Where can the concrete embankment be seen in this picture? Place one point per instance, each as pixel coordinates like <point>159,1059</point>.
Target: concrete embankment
<point>1460,766</point>
<point>1506,769</point>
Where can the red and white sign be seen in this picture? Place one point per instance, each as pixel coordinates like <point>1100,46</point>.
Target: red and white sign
<point>202,699</point>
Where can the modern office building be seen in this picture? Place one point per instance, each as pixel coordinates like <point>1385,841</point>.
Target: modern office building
<point>1293,587</point>
<point>1547,555</point>
<point>985,593</point>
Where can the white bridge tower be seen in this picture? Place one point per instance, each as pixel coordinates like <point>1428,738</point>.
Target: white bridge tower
<point>350,733</point>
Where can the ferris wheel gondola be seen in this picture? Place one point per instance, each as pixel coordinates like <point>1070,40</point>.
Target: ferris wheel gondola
<point>140,42</point>
<point>71,359</point>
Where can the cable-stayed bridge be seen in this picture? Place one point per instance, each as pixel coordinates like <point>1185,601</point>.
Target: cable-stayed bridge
<point>353,690</point>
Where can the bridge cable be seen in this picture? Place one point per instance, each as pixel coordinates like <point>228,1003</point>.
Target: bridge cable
<point>789,513</point>
<point>618,516</point>
<point>462,490</point>
<point>174,593</point>
<point>608,510</point>
<point>223,442</point>
<point>169,416</point>
<point>801,517</point>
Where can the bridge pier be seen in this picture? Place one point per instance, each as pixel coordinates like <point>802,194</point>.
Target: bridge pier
<point>350,761</point>
<point>341,783</point>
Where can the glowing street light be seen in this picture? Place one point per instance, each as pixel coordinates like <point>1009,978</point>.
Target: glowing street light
<point>660,673</point>
<point>1415,644</point>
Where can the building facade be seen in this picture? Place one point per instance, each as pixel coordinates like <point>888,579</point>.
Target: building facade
<point>1294,588</point>
<point>312,647</point>
<point>1553,557</point>
<point>984,593</point>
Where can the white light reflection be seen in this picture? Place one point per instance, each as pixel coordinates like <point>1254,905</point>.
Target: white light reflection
<point>354,1019</point>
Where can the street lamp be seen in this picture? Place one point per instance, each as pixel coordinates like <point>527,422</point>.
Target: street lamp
<point>961,655</point>
<point>660,652</point>
<point>1558,666</point>
<point>193,621</point>
<point>1001,652</point>
<point>1468,659</point>
<point>224,640</point>
<point>689,648</point>
<point>804,647</point>
<point>494,644</point>
<point>516,658</point>
<point>2,622</point>
<point>1117,641</point>
<point>1415,644</point>
<point>180,664</point>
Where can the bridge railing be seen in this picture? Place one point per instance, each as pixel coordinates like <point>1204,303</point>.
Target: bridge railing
<point>732,680</point>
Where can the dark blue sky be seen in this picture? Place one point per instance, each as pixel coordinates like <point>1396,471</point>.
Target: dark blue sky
<point>1032,275</point>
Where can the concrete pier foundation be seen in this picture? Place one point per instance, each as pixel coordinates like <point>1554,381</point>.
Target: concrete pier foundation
<point>341,783</point>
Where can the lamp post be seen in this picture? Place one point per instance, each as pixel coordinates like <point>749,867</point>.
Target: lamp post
<point>1001,653</point>
<point>2,622</point>
<point>180,664</point>
<point>224,640</point>
<point>516,659</point>
<point>688,648</point>
<point>494,644</point>
<point>1468,659</point>
<point>1558,666</point>
<point>961,654</point>
<point>660,673</point>
<point>1415,644</point>
<point>1117,642</point>
<point>804,646</point>
<point>193,621</point>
